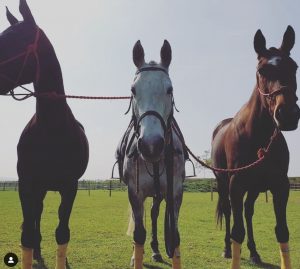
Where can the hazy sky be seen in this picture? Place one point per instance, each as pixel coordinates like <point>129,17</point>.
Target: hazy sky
<point>213,66</point>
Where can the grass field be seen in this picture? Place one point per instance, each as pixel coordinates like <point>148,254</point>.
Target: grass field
<point>99,223</point>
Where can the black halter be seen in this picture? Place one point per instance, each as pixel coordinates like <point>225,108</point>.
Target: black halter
<point>152,68</point>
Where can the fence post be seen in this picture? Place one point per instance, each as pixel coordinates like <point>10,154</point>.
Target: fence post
<point>110,188</point>
<point>89,188</point>
<point>211,190</point>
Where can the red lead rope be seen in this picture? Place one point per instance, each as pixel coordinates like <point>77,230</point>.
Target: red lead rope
<point>54,95</point>
<point>262,152</point>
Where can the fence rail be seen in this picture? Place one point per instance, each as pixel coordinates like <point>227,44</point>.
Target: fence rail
<point>194,185</point>
<point>82,185</point>
<point>295,186</point>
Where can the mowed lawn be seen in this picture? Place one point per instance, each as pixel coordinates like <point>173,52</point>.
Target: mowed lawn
<point>99,223</point>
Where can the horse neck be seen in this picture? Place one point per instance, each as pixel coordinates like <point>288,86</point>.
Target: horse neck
<point>256,117</point>
<point>51,111</point>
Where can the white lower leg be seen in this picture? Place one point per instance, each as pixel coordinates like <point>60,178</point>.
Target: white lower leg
<point>176,262</point>
<point>285,256</point>
<point>61,256</point>
<point>26,258</point>
<point>236,255</point>
<point>138,256</point>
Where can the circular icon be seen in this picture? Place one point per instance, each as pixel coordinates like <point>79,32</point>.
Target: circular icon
<point>11,259</point>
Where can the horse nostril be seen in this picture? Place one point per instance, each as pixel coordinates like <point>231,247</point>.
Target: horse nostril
<point>141,145</point>
<point>279,114</point>
<point>296,111</point>
<point>152,147</point>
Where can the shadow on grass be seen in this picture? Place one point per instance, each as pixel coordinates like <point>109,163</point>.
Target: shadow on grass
<point>40,264</point>
<point>67,264</point>
<point>263,265</point>
<point>149,266</point>
<point>268,266</point>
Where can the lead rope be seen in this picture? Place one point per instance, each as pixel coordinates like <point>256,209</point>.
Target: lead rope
<point>261,153</point>
<point>169,215</point>
<point>137,172</point>
<point>156,182</point>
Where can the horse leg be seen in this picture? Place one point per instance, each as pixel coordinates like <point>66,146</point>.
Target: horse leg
<point>280,199</point>
<point>249,211</point>
<point>156,256</point>
<point>28,204</point>
<point>37,232</point>
<point>68,194</point>
<point>139,233</point>
<point>238,230</point>
<point>176,261</point>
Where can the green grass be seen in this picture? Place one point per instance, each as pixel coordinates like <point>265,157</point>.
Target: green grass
<point>99,223</point>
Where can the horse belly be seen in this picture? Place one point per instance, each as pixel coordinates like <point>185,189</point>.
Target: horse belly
<point>52,160</point>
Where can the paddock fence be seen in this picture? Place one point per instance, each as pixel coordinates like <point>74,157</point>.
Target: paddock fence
<point>190,185</point>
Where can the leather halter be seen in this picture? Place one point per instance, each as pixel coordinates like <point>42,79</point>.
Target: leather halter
<point>31,49</point>
<point>270,95</point>
<point>151,68</point>
<point>136,120</point>
<point>156,115</point>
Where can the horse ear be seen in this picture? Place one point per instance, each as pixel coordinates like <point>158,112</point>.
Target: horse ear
<point>166,54</point>
<point>10,17</point>
<point>288,40</point>
<point>260,43</point>
<point>25,11</point>
<point>138,54</point>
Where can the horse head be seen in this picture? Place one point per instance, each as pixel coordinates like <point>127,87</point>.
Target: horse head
<point>19,50</point>
<point>276,80</point>
<point>152,102</point>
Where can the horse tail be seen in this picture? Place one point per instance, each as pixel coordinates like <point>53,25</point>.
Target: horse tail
<point>223,205</point>
<point>219,213</point>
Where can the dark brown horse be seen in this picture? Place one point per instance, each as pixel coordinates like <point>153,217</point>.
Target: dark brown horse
<point>53,149</point>
<point>272,106</point>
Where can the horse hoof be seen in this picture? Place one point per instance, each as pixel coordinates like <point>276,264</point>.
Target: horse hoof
<point>227,254</point>
<point>132,261</point>
<point>156,257</point>
<point>256,259</point>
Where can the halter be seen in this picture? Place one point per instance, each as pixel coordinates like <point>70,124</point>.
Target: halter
<point>270,95</point>
<point>31,49</point>
<point>151,68</point>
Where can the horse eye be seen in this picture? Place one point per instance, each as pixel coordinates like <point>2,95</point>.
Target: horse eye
<point>133,91</point>
<point>170,90</point>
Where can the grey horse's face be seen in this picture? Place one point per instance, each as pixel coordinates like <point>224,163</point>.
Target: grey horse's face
<point>152,92</point>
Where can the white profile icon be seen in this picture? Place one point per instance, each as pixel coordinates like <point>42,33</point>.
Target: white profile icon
<point>10,260</point>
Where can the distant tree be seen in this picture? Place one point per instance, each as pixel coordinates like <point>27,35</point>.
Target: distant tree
<point>205,157</point>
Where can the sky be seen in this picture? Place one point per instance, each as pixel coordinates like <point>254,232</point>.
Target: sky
<point>212,69</point>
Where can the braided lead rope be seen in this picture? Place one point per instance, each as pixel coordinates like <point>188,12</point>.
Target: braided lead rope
<point>262,152</point>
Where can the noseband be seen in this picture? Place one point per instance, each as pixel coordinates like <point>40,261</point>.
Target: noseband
<point>151,113</point>
<point>271,96</point>
<point>31,49</point>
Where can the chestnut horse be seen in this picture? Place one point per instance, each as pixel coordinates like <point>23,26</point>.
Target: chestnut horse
<point>272,107</point>
<point>53,148</point>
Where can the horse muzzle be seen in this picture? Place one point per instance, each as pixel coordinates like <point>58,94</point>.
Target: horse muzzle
<point>287,118</point>
<point>151,148</point>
